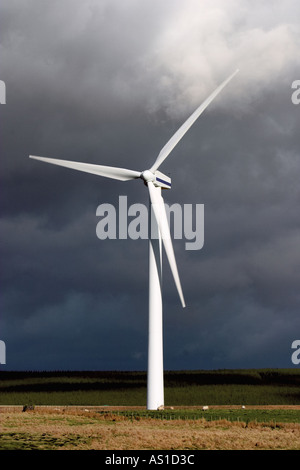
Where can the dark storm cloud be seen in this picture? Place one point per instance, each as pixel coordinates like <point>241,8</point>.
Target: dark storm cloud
<point>109,82</point>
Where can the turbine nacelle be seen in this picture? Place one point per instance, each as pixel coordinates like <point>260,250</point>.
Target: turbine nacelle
<point>157,178</point>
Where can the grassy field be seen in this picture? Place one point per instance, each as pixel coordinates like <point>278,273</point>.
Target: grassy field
<point>248,409</point>
<point>182,388</point>
<point>71,428</point>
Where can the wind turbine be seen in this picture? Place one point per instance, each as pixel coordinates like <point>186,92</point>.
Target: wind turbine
<point>156,181</point>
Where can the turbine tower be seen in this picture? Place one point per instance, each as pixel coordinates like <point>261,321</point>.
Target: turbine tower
<point>155,181</point>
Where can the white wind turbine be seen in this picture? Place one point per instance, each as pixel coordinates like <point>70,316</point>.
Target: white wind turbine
<point>155,180</point>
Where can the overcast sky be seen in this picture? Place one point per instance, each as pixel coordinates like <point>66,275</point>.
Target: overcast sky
<point>109,82</point>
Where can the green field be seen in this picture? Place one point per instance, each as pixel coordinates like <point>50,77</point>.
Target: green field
<point>182,388</point>
<point>272,416</point>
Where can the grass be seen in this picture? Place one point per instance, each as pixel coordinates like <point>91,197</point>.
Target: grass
<point>182,388</point>
<point>28,441</point>
<point>72,429</point>
<point>256,415</point>
<point>182,425</point>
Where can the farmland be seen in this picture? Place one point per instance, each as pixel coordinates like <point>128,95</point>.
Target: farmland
<point>182,388</point>
<point>247,409</point>
<point>56,428</point>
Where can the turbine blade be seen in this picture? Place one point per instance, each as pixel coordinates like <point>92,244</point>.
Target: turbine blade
<point>162,222</point>
<point>187,124</point>
<point>121,174</point>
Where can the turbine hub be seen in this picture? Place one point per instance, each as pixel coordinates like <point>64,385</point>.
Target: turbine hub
<point>147,176</point>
